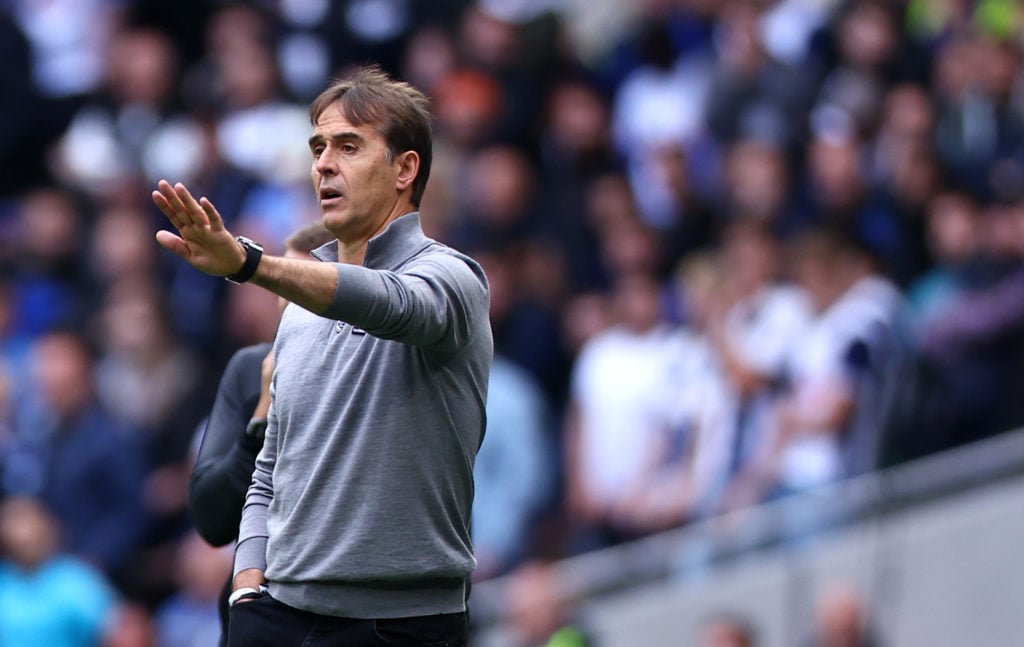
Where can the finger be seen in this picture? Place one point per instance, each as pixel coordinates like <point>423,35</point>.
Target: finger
<point>193,211</point>
<point>216,222</point>
<point>173,243</point>
<point>175,203</point>
<point>161,202</point>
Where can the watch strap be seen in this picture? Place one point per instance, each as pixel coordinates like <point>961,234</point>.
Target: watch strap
<point>244,593</point>
<point>253,254</point>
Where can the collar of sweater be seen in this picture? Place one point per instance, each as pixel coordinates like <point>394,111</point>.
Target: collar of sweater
<point>400,240</point>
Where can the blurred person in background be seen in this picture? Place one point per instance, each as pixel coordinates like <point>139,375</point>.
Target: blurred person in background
<point>975,342</point>
<point>105,145</point>
<point>618,417</point>
<point>189,617</point>
<point>658,106</point>
<point>754,329</point>
<point>145,376</point>
<point>151,383</point>
<point>726,630</point>
<point>132,626</point>
<point>48,598</point>
<point>499,211</point>
<point>72,453</point>
<point>752,93</point>
<point>955,236</point>
<point>540,611</point>
<point>979,127</point>
<point>841,619</point>
<point>49,233</point>
<point>756,184</point>
<point>514,477</point>
<point>233,433</point>
<point>851,336</point>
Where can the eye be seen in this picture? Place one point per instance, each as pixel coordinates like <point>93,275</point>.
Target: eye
<point>317,151</point>
<point>348,148</point>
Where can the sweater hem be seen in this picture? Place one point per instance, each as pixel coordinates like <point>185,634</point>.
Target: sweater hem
<point>374,600</point>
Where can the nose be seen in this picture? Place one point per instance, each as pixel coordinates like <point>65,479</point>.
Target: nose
<point>324,165</point>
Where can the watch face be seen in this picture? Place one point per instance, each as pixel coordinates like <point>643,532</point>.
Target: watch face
<point>248,242</point>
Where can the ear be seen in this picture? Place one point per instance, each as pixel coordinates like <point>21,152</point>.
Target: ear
<point>408,164</point>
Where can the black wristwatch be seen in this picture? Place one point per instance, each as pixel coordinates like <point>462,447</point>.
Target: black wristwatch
<point>253,254</point>
<point>256,429</point>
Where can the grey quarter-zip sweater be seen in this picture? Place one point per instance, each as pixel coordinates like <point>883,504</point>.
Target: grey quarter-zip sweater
<point>360,501</point>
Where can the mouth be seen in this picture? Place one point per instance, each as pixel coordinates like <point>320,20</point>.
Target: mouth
<point>328,195</point>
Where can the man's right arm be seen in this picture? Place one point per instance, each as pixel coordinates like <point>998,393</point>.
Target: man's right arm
<point>206,244</point>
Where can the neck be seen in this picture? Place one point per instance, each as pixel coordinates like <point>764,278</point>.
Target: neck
<point>354,251</point>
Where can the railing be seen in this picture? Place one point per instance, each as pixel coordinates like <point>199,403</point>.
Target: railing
<point>718,541</point>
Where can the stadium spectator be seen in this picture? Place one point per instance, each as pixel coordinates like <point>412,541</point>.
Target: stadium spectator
<point>754,329</point>
<point>189,617</point>
<point>856,314</point>
<point>72,454</point>
<point>619,422</point>
<point>975,341</point>
<point>512,476</point>
<point>47,597</point>
<point>541,612</point>
<point>726,630</point>
<point>132,626</point>
<point>515,477</point>
<point>841,619</point>
<point>413,310</point>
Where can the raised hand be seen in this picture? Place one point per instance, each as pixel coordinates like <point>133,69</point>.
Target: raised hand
<point>202,239</point>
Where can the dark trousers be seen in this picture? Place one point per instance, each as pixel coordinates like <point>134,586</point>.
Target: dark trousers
<point>266,622</point>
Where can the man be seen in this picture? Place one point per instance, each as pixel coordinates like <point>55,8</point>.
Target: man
<point>233,434</point>
<point>357,520</point>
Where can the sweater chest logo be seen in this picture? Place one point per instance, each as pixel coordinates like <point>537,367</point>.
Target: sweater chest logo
<point>341,325</point>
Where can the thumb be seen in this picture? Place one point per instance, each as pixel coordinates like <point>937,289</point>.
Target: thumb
<point>173,243</point>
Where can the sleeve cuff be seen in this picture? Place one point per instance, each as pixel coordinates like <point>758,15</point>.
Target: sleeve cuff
<point>251,553</point>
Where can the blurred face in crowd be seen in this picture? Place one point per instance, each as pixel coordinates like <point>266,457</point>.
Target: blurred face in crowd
<point>49,227</point>
<point>536,604</point>
<point>63,370</point>
<point>578,118</point>
<point>756,179</point>
<point>357,180</point>
<point>813,266</point>
<point>500,185</point>
<point>867,36</point>
<point>835,168</point>
<point>142,67</point>
<point>28,532</point>
<point>750,257</point>
<point>1004,231</point>
<point>954,228</point>
<point>908,112</point>
<point>724,633</point>
<point>637,302</point>
<point>840,619</point>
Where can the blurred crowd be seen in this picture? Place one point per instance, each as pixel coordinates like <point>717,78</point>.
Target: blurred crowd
<point>736,248</point>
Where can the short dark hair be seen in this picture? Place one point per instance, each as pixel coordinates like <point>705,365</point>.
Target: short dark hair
<point>309,237</point>
<point>399,111</point>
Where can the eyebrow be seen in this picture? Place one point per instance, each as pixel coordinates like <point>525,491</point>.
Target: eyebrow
<point>345,135</point>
